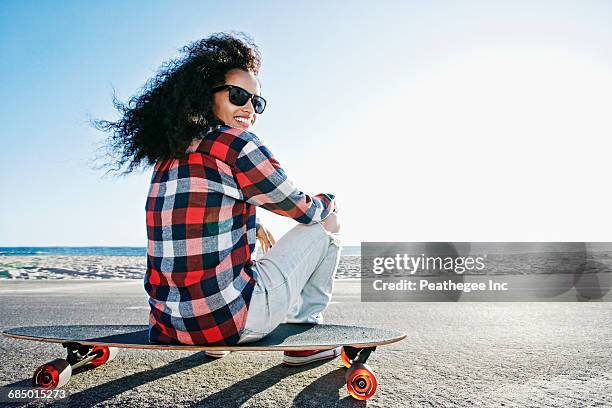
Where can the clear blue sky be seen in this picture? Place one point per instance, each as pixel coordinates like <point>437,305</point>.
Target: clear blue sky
<point>431,121</point>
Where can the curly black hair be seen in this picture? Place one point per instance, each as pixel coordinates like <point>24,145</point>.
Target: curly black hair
<point>176,104</point>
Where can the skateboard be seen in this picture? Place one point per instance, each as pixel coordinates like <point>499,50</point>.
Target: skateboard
<point>98,344</point>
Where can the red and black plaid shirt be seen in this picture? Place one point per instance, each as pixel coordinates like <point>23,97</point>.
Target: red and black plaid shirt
<point>201,234</point>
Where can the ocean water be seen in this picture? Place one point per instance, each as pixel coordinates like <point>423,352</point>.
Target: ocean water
<point>491,248</point>
<point>73,251</point>
<point>106,251</point>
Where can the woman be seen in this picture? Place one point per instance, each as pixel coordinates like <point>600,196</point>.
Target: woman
<point>192,122</point>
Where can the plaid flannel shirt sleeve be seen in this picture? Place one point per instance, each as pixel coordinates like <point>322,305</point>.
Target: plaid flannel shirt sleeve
<point>264,183</point>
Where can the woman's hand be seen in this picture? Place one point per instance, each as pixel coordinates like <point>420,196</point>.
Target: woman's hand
<point>265,238</point>
<point>332,223</point>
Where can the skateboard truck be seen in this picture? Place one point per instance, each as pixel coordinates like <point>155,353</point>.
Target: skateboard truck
<point>79,355</point>
<point>356,355</point>
<point>57,373</point>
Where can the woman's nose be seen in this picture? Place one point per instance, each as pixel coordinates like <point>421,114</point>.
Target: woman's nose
<point>249,106</point>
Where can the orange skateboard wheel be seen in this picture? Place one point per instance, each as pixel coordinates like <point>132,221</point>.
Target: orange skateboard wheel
<point>54,374</point>
<point>360,382</point>
<point>106,354</point>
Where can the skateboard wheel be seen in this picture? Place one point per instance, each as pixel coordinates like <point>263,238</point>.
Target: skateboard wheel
<point>106,354</point>
<point>360,382</point>
<point>54,374</point>
<point>345,359</point>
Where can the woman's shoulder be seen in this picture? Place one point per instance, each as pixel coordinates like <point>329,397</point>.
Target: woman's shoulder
<point>228,133</point>
<point>224,142</point>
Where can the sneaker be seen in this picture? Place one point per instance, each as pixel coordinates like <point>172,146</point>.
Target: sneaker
<point>216,353</point>
<point>301,357</point>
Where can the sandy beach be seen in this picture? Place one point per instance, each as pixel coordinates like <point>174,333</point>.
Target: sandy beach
<point>34,267</point>
<point>106,267</point>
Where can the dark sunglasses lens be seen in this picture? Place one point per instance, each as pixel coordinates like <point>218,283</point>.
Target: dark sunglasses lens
<point>238,97</point>
<point>259,104</point>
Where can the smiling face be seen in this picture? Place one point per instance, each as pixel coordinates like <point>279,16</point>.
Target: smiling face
<point>241,117</point>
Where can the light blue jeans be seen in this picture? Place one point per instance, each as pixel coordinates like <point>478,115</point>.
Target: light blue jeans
<point>294,281</point>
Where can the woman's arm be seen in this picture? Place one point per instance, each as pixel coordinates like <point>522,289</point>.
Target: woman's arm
<point>264,183</point>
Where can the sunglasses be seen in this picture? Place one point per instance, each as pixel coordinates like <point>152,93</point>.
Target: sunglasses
<point>240,97</point>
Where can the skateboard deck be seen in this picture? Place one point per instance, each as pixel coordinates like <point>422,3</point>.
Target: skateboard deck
<point>98,344</point>
<point>284,337</point>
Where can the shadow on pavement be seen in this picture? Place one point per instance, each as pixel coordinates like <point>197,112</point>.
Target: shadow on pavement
<point>109,390</point>
<point>20,384</point>
<point>239,393</point>
<point>325,391</point>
